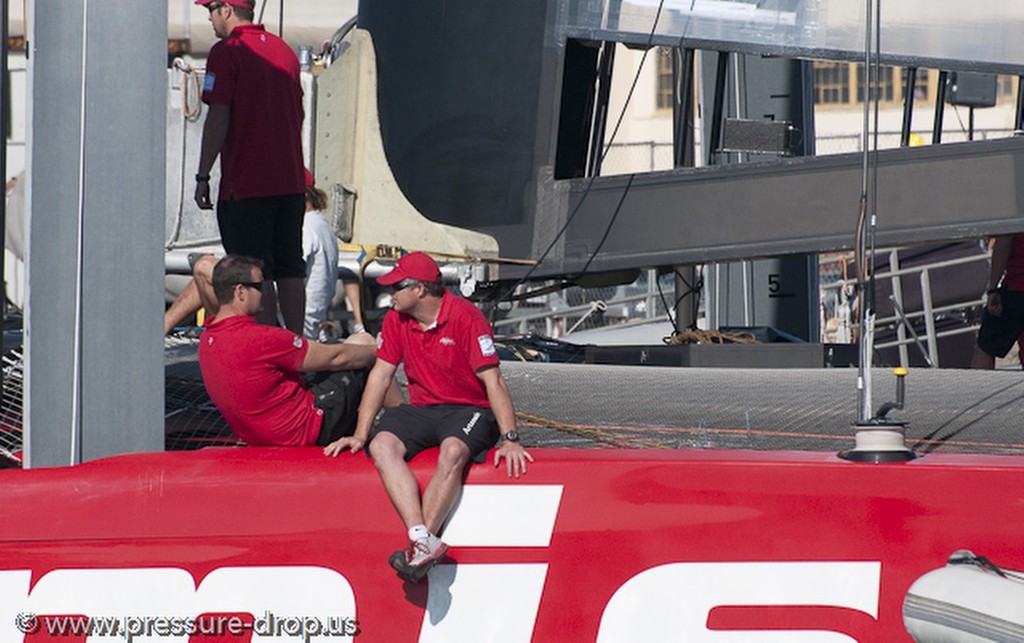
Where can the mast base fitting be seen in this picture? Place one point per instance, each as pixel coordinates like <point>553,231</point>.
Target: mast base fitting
<point>879,442</point>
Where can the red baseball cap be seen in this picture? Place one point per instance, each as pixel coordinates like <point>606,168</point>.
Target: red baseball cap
<point>245,4</point>
<point>310,182</point>
<point>415,265</point>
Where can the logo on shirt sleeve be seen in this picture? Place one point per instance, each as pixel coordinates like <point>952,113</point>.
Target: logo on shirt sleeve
<point>486,345</point>
<point>297,342</point>
<point>209,82</point>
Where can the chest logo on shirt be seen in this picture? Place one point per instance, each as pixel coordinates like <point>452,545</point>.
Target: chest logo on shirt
<point>447,341</point>
<point>209,82</point>
<point>486,345</point>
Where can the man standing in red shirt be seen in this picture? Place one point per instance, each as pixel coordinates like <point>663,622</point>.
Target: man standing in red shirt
<point>459,402</point>
<point>253,372</point>
<point>254,124</point>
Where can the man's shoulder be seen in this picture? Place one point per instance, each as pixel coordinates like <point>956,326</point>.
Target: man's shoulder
<point>463,309</point>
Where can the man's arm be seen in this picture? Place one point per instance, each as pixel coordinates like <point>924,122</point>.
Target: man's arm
<point>377,384</point>
<point>501,405</point>
<point>337,357</point>
<point>215,132</point>
<point>1000,259</point>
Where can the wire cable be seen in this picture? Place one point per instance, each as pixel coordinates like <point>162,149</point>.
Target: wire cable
<point>590,181</point>
<point>75,453</point>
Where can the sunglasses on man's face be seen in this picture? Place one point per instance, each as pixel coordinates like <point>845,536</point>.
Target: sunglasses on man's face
<point>402,285</point>
<point>258,285</point>
<point>213,6</point>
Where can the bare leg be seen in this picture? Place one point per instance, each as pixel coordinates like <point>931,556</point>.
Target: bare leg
<point>186,304</point>
<point>443,489</point>
<point>202,274</point>
<point>198,293</point>
<point>291,296</point>
<point>399,482</point>
<point>268,314</point>
<point>982,360</point>
<point>354,297</point>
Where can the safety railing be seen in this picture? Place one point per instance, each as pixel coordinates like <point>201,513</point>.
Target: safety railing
<point>904,320</point>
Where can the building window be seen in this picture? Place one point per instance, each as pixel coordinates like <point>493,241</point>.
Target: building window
<point>886,92</point>
<point>664,98</point>
<point>1006,88</point>
<point>921,83</point>
<point>841,84</point>
<point>831,83</point>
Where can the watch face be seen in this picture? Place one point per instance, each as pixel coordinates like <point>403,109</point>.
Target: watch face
<point>512,436</point>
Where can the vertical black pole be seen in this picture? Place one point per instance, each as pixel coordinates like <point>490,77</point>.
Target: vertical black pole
<point>682,106</point>
<point>605,63</point>
<point>1020,103</point>
<point>717,113</point>
<point>908,105</point>
<point>940,107</point>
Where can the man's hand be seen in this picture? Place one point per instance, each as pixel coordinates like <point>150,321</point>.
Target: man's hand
<point>202,195</point>
<point>351,443</point>
<point>995,304</point>
<point>515,457</point>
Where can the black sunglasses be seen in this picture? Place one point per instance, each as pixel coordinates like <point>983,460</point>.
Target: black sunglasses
<point>252,284</point>
<point>402,285</point>
<point>213,6</point>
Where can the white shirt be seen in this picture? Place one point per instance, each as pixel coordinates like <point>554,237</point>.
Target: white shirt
<point>320,248</point>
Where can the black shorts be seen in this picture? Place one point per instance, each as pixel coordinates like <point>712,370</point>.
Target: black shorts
<point>424,427</point>
<point>268,228</point>
<point>997,334</point>
<point>337,394</point>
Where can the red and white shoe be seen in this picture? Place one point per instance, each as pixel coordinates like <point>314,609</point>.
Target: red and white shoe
<point>413,563</point>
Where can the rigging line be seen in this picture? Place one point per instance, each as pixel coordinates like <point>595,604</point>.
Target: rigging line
<point>608,228</point>
<point>76,368</point>
<point>874,156</point>
<point>590,181</point>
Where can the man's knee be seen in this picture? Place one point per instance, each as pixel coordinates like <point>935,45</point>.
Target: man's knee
<point>386,446</point>
<point>203,268</point>
<point>454,453</point>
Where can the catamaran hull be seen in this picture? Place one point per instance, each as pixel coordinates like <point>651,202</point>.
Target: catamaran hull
<point>591,545</point>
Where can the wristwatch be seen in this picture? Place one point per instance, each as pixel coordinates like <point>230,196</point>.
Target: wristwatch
<point>511,436</point>
<point>202,178</point>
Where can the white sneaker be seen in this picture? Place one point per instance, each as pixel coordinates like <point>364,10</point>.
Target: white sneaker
<point>419,556</point>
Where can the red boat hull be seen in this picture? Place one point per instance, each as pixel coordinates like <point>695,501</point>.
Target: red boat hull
<point>591,545</point>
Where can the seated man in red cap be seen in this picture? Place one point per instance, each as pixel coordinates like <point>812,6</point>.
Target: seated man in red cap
<point>458,402</point>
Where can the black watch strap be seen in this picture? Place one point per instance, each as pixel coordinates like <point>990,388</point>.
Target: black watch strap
<point>202,178</point>
<point>511,436</point>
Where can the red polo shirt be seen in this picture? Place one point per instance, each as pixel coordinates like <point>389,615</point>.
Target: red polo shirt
<point>251,372</point>
<point>256,74</point>
<point>441,362</point>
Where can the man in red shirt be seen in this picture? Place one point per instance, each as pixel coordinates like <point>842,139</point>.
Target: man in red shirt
<point>1002,318</point>
<point>254,124</point>
<point>253,372</point>
<point>459,402</point>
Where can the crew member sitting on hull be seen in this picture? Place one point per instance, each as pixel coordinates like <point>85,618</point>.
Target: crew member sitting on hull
<point>253,372</point>
<point>459,402</point>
